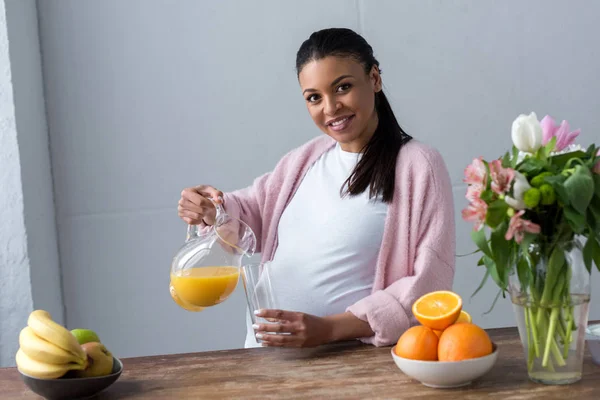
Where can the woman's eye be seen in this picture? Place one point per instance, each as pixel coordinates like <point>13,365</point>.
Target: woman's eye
<point>312,98</point>
<point>344,87</point>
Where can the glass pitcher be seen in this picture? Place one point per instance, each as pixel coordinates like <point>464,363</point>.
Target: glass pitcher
<point>206,269</point>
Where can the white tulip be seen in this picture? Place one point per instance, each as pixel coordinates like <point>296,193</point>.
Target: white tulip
<point>520,186</point>
<point>527,133</point>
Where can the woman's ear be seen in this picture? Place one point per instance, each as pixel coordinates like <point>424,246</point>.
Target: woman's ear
<point>375,77</point>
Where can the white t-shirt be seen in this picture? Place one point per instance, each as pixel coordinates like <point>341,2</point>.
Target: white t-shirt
<point>327,244</point>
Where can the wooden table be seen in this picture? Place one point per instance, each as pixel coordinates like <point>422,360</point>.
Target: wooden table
<point>341,371</point>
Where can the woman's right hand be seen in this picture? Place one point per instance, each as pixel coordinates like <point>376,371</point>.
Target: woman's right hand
<point>195,205</point>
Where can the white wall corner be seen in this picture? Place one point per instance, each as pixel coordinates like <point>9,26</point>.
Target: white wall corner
<point>29,261</point>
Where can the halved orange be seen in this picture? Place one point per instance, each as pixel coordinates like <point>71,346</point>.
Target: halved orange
<point>438,310</point>
<point>464,317</point>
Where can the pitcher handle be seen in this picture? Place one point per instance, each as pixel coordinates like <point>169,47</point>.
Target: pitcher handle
<point>193,232</point>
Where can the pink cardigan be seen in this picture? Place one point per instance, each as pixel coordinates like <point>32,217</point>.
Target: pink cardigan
<point>418,246</point>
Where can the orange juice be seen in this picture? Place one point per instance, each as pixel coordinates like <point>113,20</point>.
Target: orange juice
<point>205,286</point>
<point>183,304</point>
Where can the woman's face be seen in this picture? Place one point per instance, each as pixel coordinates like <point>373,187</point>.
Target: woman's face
<point>340,98</point>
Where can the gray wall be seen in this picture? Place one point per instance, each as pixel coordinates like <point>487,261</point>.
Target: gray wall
<point>145,98</point>
<point>30,113</point>
<point>29,267</point>
<point>14,268</point>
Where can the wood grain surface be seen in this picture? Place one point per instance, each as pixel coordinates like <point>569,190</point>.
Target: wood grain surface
<point>341,371</point>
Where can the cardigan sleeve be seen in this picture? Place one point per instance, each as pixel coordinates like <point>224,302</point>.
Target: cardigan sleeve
<point>428,238</point>
<point>247,205</point>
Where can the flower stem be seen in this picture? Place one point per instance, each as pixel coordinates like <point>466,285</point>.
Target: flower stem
<point>569,333</point>
<point>534,333</point>
<point>550,342</point>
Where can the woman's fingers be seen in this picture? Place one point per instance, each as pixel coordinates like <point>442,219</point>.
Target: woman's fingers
<point>279,340</point>
<point>196,198</point>
<point>187,205</point>
<point>285,327</point>
<point>192,218</point>
<point>211,192</point>
<point>281,315</point>
<point>195,205</point>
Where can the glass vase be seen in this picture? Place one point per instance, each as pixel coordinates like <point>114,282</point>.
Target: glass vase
<point>551,295</point>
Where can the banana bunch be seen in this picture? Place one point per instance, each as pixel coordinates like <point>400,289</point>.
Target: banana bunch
<point>47,349</point>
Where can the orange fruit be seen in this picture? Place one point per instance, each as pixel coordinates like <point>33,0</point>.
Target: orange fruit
<point>418,343</point>
<point>437,310</point>
<point>463,317</point>
<point>463,341</point>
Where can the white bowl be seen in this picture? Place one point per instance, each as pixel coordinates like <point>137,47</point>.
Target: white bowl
<point>592,336</point>
<point>446,374</point>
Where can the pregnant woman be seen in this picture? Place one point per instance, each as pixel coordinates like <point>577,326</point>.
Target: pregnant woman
<point>357,223</point>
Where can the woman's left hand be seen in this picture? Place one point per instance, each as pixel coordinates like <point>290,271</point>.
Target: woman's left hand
<point>294,329</point>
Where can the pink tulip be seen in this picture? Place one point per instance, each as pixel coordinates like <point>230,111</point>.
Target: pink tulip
<point>518,226</point>
<point>564,138</point>
<point>475,173</point>
<point>475,212</point>
<point>597,166</point>
<point>501,177</point>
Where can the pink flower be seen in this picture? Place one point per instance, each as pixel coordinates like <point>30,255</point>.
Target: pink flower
<point>475,173</point>
<point>518,226</point>
<point>475,212</point>
<point>564,138</point>
<point>474,192</point>
<point>597,166</point>
<point>501,177</point>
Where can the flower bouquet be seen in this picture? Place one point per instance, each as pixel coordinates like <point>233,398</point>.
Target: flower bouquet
<point>536,216</point>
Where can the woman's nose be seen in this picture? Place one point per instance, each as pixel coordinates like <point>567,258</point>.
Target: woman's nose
<point>332,105</point>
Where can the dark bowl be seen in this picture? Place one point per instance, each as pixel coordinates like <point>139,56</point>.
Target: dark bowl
<point>73,388</point>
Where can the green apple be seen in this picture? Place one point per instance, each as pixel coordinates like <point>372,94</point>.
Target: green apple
<point>85,336</point>
<point>100,360</point>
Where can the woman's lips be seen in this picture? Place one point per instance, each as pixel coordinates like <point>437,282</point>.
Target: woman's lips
<point>341,124</point>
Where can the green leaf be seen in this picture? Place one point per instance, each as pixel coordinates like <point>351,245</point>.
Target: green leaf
<point>558,288</point>
<point>532,166</point>
<point>523,272</point>
<point>596,178</point>
<point>496,213</point>
<point>575,219</point>
<point>526,255</point>
<point>550,145</point>
<point>482,283</point>
<point>491,268</point>
<point>501,254</point>
<point>591,252</point>
<point>527,240</point>
<point>593,214</point>
<point>494,302</point>
<point>588,250</point>
<point>480,240</point>
<point>555,264</point>
<point>515,157</point>
<point>557,184</point>
<point>506,160</point>
<point>488,183</point>
<point>480,262</point>
<point>596,252</point>
<point>487,195</point>
<point>580,188</point>
<point>561,160</point>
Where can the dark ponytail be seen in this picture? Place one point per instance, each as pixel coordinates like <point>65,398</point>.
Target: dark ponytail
<point>376,169</point>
